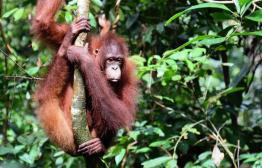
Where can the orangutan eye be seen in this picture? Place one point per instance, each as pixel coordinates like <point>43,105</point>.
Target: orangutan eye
<point>109,60</point>
<point>119,59</point>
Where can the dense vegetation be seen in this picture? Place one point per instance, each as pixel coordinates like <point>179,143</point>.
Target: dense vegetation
<point>201,93</point>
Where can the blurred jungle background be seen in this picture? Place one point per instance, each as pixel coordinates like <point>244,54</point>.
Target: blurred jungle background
<point>199,62</point>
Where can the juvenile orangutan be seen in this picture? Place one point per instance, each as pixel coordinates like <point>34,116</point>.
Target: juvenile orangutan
<point>108,75</point>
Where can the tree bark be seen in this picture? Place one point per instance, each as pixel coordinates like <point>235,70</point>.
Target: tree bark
<point>79,123</point>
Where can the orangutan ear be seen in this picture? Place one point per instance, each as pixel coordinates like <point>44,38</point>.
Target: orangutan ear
<point>96,51</point>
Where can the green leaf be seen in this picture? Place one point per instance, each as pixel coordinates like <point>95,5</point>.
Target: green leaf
<point>255,16</point>
<point>165,144</point>
<point>214,99</point>
<point>160,27</point>
<point>189,128</point>
<point>197,52</point>
<point>68,17</point>
<point>205,155</point>
<point>32,71</point>
<point>92,19</point>
<point>199,6</point>
<point>143,150</point>
<point>18,14</point>
<point>190,65</point>
<point>181,56</point>
<point>212,41</point>
<point>34,151</point>
<point>9,13</point>
<point>242,74</point>
<point>245,5</point>
<point>231,90</point>
<point>244,2</point>
<point>159,132</point>
<point>171,63</point>
<point>237,5</point>
<point>221,16</point>
<point>138,59</point>
<point>189,78</point>
<point>176,78</point>
<point>171,164</point>
<point>6,150</point>
<point>131,20</point>
<point>113,151</point>
<point>59,153</point>
<point>19,148</point>
<point>134,134</point>
<point>35,45</point>
<point>148,79</point>
<point>26,158</point>
<point>156,162</point>
<point>98,3</point>
<point>196,39</point>
<point>26,139</point>
<point>120,156</point>
<point>161,70</point>
<point>59,161</point>
<point>229,64</point>
<point>147,37</point>
<point>6,163</point>
<point>255,33</point>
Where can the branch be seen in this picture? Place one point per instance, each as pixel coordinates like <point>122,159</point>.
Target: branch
<point>78,109</point>
<point>23,77</point>
<point>10,58</point>
<point>123,164</point>
<point>253,74</point>
<point>5,83</point>
<point>225,69</point>
<point>255,6</point>
<point>117,14</point>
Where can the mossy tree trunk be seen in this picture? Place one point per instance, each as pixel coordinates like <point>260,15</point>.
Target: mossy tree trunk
<point>78,110</point>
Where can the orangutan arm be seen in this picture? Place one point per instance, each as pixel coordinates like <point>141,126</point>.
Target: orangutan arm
<point>44,25</point>
<point>55,93</point>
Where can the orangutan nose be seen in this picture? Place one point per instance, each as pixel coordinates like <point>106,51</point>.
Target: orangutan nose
<point>114,67</point>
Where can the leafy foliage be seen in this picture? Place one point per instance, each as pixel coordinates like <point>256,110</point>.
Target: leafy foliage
<point>200,70</point>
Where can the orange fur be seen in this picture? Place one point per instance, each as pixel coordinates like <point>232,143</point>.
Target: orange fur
<point>111,107</point>
<point>54,122</point>
<point>44,26</point>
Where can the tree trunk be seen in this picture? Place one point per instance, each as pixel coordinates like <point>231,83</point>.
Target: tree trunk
<point>78,110</point>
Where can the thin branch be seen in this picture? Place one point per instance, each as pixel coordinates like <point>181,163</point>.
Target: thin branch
<point>123,164</point>
<point>238,149</point>
<point>117,14</point>
<point>19,66</point>
<point>255,6</point>
<point>7,99</point>
<point>23,77</point>
<point>1,7</point>
<point>7,45</point>
<point>253,74</point>
<point>166,151</point>
<point>221,141</point>
<point>224,59</point>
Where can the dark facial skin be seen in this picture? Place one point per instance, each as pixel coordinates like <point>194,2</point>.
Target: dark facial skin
<point>113,62</point>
